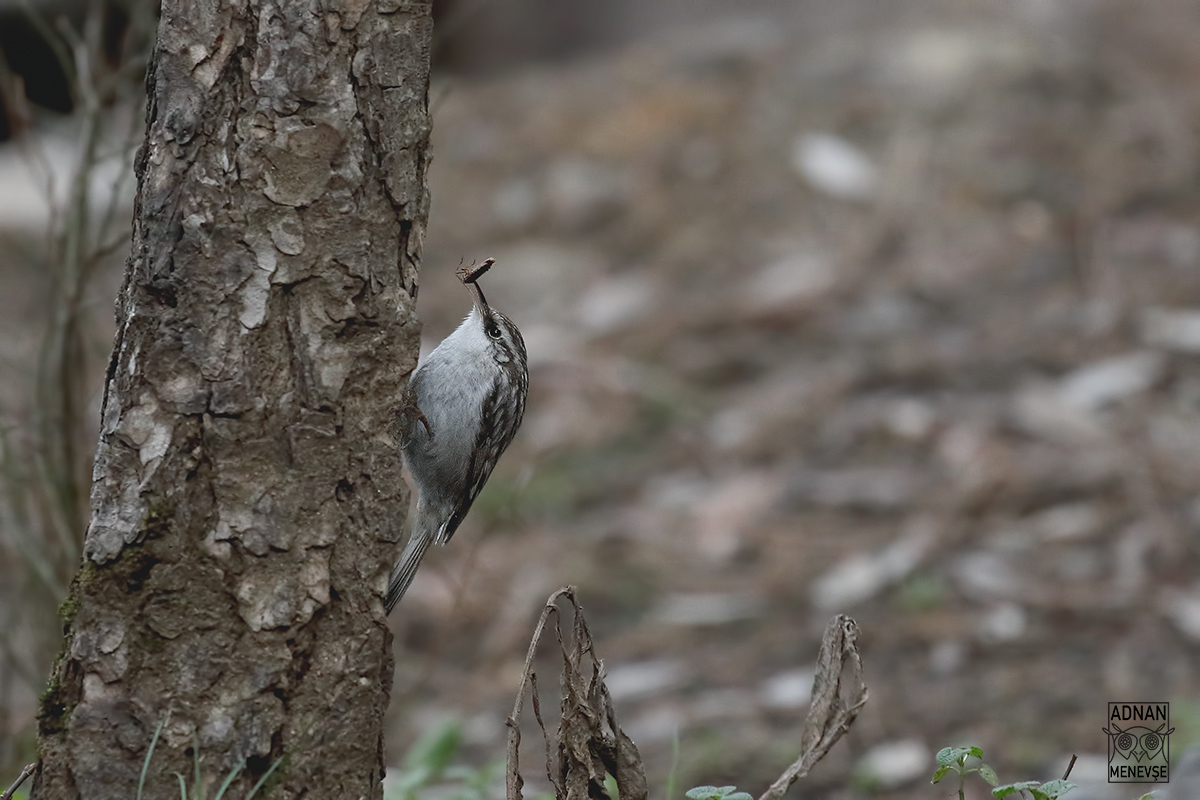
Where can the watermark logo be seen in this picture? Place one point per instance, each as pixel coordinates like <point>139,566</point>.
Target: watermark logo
<point>1138,742</point>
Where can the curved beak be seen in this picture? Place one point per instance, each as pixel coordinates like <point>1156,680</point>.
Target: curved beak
<point>478,299</point>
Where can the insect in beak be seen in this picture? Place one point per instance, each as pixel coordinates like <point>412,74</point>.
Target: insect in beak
<point>469,276</point>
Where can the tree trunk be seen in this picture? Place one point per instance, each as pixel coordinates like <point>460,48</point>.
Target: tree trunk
<point>247,502</point>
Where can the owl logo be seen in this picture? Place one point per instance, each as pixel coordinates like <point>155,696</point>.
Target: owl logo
<point>1143,745</point>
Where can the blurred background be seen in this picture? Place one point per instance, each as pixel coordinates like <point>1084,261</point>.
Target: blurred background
<point>890,309</point>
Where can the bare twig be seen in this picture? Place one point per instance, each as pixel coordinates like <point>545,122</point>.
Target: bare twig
<point>1070,767</point>
<point>25,773</point>
<point>836,701</point>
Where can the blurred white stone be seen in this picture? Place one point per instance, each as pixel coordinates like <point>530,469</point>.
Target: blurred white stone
<point>676,491</point>
<point>707,608</point>
<point>642,678</point>
<point>893,764</point>
<point>659,724</point>
<point>861,577</point>
<point>832,165</point>
<point>1065,410</point>
<point>1172,329</point>
<point>793,279</point>
<point>983,575</point>
<point>1004,623</point>
<point>1067,522</point>
<point>910,418</point>
<point>1182,607</point>
<point>791,689</point>
<point>484,729</point>
<point>1103,382</point>
<point>1042,411</point>
<point>937,63</point>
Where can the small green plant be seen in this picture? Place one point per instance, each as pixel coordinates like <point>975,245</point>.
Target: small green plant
<point>963,761</point>
<point>717,793</point>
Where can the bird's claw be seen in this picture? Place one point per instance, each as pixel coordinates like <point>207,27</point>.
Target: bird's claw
<point>407,416</point>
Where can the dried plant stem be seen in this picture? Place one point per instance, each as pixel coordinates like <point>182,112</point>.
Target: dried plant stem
<point>836,701</point>
<point>25,773</point>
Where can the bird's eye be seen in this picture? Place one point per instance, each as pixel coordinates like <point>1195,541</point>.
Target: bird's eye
<point>493,330</point>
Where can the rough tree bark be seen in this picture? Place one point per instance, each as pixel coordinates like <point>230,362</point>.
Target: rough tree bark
<point>247,502</point>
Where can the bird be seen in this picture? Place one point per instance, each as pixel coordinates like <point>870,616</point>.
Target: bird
<point>469,398</point>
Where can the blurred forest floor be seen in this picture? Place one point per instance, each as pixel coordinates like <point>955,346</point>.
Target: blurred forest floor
<point>893,313</point>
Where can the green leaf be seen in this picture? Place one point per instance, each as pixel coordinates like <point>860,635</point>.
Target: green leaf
<point>182,787</point>
<point>1014,788</point>
<point>954,756</point>
<point>951,756</point>
<point>717,793</point>
<point>989,775</point>
<point>941,773</point>
<point>977,752</point>
<point>1056,789</point>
